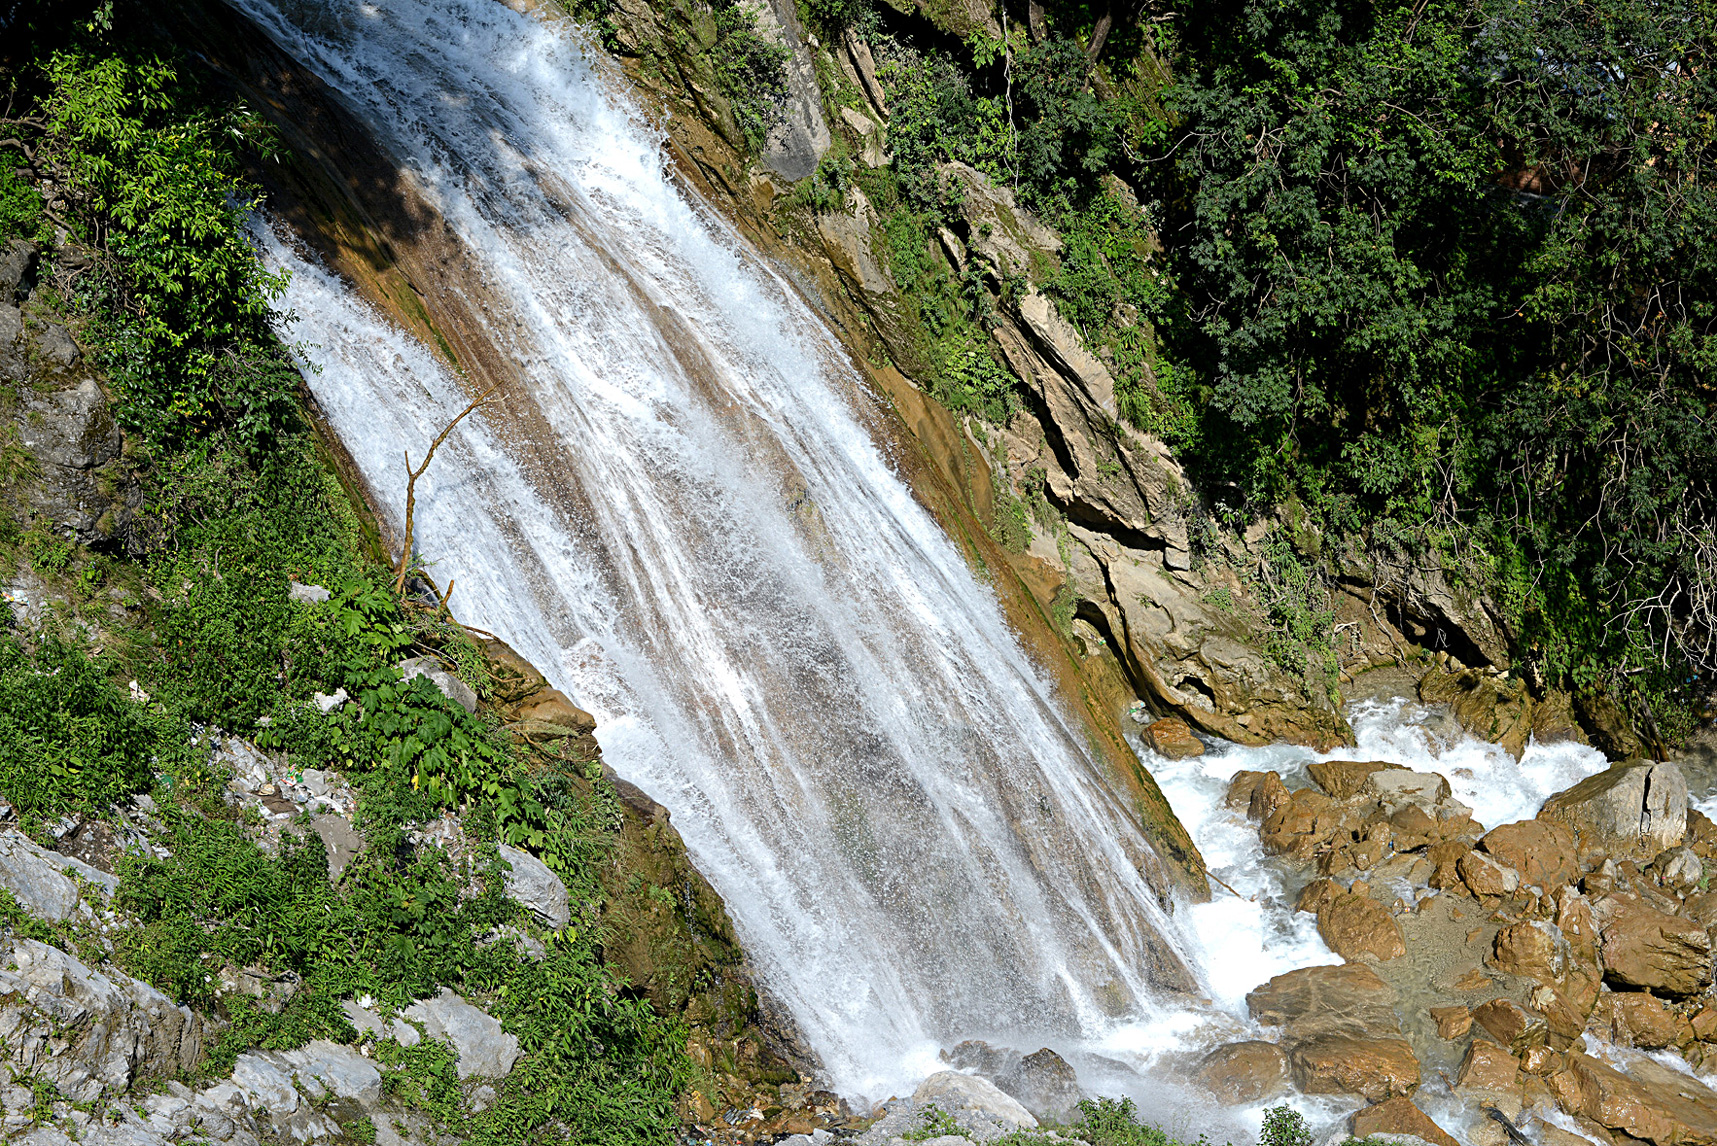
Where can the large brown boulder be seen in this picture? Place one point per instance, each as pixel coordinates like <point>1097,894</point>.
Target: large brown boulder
<point>1245,1072</point>
<point>1484,876</point>
<point>1374,1069</point>
<point>1170,736</point>
<point>1640,1019</point>
<point>1533,950</point>
<point>1510,1024</point>
<point>1343,779</point>
<point>1642,947</point>
<point>1344,999</point>
<point>1399,1116</point>
<point>1355,926</point>
<point>1629,811</point>
<point>1655,1105</point>
<point>1542,851</point>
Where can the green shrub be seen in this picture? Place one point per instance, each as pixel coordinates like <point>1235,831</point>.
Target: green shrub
<point>20,204</point>
<point>70,740</point>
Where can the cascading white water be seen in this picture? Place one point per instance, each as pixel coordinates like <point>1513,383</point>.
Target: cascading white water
<point>698,541</point>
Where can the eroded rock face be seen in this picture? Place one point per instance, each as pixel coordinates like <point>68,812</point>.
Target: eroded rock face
<point>1171,738</point>
<point>1655,1105</point>
<point>1374,1069</point>
<point>90,1034</point>
<point>1399,1116</point>
<point>1542,851</point>
<point>540,890</point>
<point>1356,926</point>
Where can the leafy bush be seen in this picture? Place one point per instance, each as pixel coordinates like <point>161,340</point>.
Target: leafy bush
<point>20,204</point>
<point>70,740</point>
<point>149,171</point>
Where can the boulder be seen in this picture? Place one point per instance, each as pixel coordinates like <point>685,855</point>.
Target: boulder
<point>1629,811</point>
<point>1680,870</point>
<point>1642,947</point>
<point>1345,999</point>
<point>1258,794</point>
<point>1637,1018</point>
<point>1533,950</point>
<point>1374,1069</point>
<point>1488,1067</point>
<point>476,1037</point>
<point>1452,1022</point>
<point>339,1077</point>
<point>1343,779</point>
<point>538,889</point>
<point>17,270</point>
<point>1655,1105</point>
<point>953,1092</point>
<point>1399,1116</point>
<point>1171,737</point>
<point>451,686</point>
<point>551,706</point>
<point>1542,851</point>
<point>1395,787</point>
<point>1045,1084</point>
<point>1484,876</point>
<point>1299,828</point>
<point>1510,1024</point>
<point>1356,926</point>
<point>88,1033</point>
<point>1244,1073</point>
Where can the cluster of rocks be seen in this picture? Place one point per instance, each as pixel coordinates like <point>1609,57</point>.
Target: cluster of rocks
<point>1525,966</point>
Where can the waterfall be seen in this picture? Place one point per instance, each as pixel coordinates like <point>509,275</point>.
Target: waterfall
<point>677,511</point>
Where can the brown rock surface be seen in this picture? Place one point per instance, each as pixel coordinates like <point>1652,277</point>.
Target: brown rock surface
<point>1488,1066</point>
<point>1445,865</point>
<point>1533,950</point>
<point>1452,1022</point>
<point>1343,779</point>
<point>1643,947</point>
<point>1374,1069</point>
<point>1317,893</point>
<point>1510,1024</point>
<point>1485,876</point>
<point>1300,827</point>
<point>1637,1018</point>
<point>1244,1072</point>
<point>1355,925</point>
<point>1343,999</point>
<point>1399,1116</point>
<point>1258,794</point>
<point>1170,736</point>
<point>1629,811</point>
<point>1655,1105</point>
<point>1542,851</point>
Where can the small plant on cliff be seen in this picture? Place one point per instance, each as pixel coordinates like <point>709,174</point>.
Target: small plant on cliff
<point>937,1123</point>
<point>1284,1126</point>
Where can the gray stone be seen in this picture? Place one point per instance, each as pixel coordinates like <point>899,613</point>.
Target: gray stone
<point>326,1071</point>
<point>1681,868</point>
<point>17,271</point>
<point>307,594</point>
<point>366,1021</point>
<point>341,840</point>
<point>45,882</point>
<point>88,1033</point>
<point>53,344</point>
<point>796,143</point>
<point>533,885</point>
<point>482,1046</point>
<point>84,485</point>
<point>954,1092</point>
<point>404,1033</point>
<point>1045,1084</point>
<point>1395,788</point>
<point>1629,811</point>
<point>451,686</point>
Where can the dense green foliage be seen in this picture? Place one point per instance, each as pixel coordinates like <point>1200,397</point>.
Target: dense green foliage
<point>69,737</point>
<point>751,68</point>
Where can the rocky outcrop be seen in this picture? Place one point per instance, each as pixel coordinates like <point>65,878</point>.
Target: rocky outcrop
<point>539,890</point>
<point>1340,1032</point>
<point>482,1047</point>
<point>47,884</point>
<point>1399,1116</point>
<point>1630,811</point>
<point>957,1094</point>
<point>89,1033</point>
